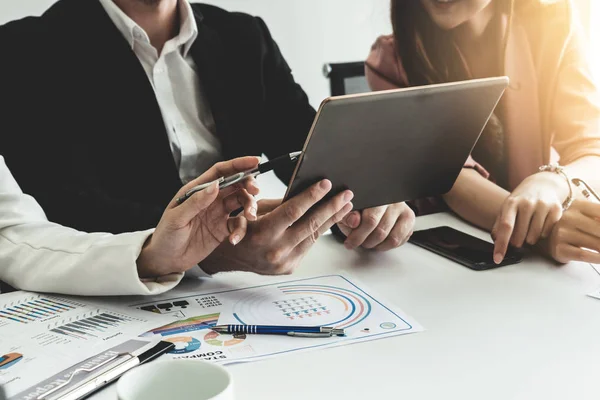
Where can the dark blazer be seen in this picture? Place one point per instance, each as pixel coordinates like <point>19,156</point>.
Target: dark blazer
<point>81,129</point>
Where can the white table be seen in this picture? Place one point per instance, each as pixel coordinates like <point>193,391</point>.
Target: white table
<point>520,332</point>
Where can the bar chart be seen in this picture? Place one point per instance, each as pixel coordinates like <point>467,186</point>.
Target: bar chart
<point>35,309</point>
<point>92,327</point>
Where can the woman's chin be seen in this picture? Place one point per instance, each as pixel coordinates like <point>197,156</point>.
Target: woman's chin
<point>447,24</point>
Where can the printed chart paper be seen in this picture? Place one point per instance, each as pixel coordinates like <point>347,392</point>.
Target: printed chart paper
<point>42,334</point>
<point>322,301</point>
<point>78,374</point>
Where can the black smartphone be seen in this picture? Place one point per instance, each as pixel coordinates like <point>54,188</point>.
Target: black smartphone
<point>463,248</point>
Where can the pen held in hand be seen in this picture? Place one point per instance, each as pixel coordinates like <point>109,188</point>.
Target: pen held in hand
<point>296,331</point>
<point>233,179</point>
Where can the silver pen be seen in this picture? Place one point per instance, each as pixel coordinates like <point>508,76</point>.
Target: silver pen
<point>233,179</point>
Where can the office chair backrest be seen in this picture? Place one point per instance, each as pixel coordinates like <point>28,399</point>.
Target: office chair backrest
<point>346,78</point>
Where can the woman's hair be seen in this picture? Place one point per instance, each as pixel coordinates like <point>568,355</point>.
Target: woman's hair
<point>429,55</point>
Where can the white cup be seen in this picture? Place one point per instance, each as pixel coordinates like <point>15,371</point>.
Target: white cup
<point>176,379</point>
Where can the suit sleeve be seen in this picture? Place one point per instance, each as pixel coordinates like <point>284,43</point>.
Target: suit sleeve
<point>29,134</point>
<point>38,255</point>
<point>289,113</point>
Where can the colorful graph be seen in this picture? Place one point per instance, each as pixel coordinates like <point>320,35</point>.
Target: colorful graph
<point>304,304</point>
<point>216,339</point>
<point>10,359</point>
<point>35,309</point>
<point>184,344</point>
<point>91,327</point>
<point>187,325</point>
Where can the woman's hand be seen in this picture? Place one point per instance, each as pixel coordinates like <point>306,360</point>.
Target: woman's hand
<point>576,237</point>
<point>189,232</point>
<point>379,228</point>
<point>530,212</point>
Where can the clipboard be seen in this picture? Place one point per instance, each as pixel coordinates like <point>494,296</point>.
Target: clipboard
<point>103,373</point>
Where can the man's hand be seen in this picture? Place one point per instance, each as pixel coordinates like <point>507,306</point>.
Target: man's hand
<point>379,228</point>
<point>188,233</point>
<point>283,233</point>
<point>530,212</point>
<point>576,237</point>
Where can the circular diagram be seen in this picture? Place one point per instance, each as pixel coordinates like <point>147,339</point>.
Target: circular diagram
<point>303,304</point>
<point>184,344</point>
<point>216,339</point>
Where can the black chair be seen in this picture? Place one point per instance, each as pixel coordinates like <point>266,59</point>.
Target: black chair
<point>346,78</point>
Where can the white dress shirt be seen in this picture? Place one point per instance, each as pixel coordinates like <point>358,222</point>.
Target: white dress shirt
<point>173,75</point>
<point>38,255</point>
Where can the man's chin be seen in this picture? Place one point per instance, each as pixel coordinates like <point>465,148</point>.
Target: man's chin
<point>150,2</point>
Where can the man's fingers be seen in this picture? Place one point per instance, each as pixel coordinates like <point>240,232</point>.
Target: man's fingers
<point>309,226</point>
<point>383,230</point>
<point>504,230</point>
<point>554,215</point>
<point>307,243</point>
<point>291,211</point>
<point>268,205</point>
<point>184,213</point>
<point>238,227</point>
<point>370,219</point>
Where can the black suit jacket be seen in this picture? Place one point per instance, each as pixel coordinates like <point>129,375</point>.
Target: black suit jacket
<point>81,128</point>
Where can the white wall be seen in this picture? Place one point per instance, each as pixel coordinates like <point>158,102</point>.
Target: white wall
<point>309,32</point>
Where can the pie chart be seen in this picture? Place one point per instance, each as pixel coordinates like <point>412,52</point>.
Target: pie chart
<point>184,344</point>
<point>10,359</point>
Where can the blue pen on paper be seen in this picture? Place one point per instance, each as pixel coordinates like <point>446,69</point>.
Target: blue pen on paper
<point>296,331</point>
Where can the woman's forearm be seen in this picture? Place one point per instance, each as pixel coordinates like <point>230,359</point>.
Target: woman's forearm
<point>476,199</point>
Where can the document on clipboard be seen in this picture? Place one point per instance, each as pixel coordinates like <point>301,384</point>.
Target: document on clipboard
<point>42,334</point>
<point>84,378</point>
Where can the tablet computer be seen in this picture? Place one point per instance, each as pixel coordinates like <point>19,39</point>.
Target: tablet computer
<point>396,145</point>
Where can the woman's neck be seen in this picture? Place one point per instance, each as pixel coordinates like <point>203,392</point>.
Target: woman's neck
<point>479,41</point>
<point>470,33</point>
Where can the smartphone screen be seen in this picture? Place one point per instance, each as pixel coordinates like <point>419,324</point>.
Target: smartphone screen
<point>458,246</point>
